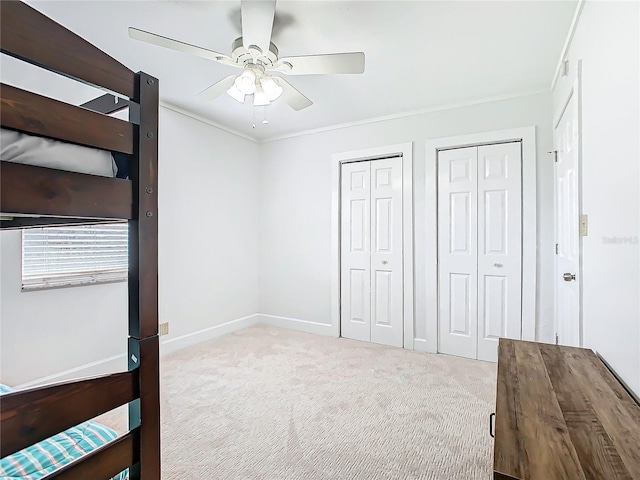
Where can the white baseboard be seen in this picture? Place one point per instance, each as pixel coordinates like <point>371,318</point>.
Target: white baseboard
<point>178,343</point>
<point>169,345</point>
<point>297,324</point>
<point>421,345</point>
<point>118,363</point>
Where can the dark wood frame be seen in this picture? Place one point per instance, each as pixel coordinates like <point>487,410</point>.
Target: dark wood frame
<point>61,197</point>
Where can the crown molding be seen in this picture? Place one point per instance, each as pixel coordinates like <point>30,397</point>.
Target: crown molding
<point>437,108</point>
<point>195,116</point>
<point>412,113</point>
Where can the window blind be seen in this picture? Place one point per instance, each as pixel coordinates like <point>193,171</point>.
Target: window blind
<point>64,256</point>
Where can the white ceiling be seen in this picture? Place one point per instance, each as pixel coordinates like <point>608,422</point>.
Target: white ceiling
<point>419,54</point>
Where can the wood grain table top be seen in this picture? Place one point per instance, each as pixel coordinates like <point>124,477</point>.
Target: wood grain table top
<point>561,414</point>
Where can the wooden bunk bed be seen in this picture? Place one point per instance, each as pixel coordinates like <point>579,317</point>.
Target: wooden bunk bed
<point>36,196</point>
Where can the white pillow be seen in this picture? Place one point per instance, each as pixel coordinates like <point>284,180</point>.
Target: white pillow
<point>21,148</point>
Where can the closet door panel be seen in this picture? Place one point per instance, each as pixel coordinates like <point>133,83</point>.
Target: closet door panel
<point>457,251</point>
<point>499,246</point>
<point>386,252</point>
<point>355,251</point>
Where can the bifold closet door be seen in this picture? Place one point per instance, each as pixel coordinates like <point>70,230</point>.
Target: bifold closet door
<point>386,252</point>
<point>499,246</point>
<point>371,251</point>
<point>458,251</point>
<point>355,251</point>
<point>479,248</point>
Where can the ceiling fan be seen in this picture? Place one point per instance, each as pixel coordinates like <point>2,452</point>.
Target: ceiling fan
<point>258,57</point>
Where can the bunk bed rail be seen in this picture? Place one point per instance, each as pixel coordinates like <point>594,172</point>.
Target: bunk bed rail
<point>33,37</point>
<point>64,122</point>
<point>29,189</point>
<point>103,462</point>
<point>32,415</point>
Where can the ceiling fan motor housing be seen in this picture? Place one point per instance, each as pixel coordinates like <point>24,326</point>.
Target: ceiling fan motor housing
<point>243,56</point>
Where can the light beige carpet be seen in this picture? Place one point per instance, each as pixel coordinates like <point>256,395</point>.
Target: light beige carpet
<point>267,403</point>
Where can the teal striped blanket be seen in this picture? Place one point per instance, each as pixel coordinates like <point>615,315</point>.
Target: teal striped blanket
<point>38,460</point>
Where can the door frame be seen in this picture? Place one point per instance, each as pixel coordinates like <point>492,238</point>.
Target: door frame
<point>337,159</point>
<point>574,92</point>
<point>526,135</point>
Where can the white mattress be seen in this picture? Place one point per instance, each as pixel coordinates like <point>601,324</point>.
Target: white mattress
<point>21,148</point>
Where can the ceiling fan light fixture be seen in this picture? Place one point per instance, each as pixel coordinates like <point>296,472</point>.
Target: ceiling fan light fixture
<point>271,88</point>
<point>246,82</point>
<point>260,98</point>
<point>236,94</point>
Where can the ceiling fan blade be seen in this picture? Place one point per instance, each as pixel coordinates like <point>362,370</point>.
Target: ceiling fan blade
<point>161,41</point>
<point>217,88</point>
<point>352,62</point>
<point>291,96</point>
<point>257,22</point>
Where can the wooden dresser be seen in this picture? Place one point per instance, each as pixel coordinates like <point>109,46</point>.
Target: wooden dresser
<point>561,414</point>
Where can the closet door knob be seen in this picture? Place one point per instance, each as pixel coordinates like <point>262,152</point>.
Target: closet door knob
<point>384,262</point>
<point>497,265</point>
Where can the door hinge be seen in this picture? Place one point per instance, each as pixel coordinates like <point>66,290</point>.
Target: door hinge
<point>555,155</point>
<point>556,248</point>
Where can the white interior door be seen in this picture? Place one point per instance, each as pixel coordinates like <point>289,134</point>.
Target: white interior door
<point>458,251</point>
<point>386,252</point>
<point>355,248</point>
<point>566,139</point>
<point>371,303</point>
<point>499,246</point>
<point>479,248</point>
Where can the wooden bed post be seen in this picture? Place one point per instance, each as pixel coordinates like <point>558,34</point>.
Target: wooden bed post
<point>143,281</point>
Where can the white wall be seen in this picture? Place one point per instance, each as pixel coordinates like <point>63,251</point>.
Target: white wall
<point>208,225</point>
<point>295,208</point>
<point>607,42</point>
<point>47,331</point>
<point>208,260</point>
